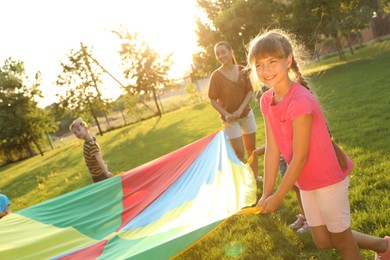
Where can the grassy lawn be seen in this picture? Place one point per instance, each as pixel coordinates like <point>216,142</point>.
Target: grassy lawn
<point>355,96</point>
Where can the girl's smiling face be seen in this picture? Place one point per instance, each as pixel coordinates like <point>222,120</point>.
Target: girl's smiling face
<point>273,71</point>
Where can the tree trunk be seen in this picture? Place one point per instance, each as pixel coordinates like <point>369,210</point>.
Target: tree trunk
<point>123,116</point>
<point>159,100</point>
<point>96,88</point>
<point>38,146</point>
<point>348,37</point>
<point>359,36</point>
<point>97,122</point>
<point>107,120</point>
<point>29,148</point>
<point>156,101</point>
<point>95,117</point>
<point>338,48</point>
<point>50,142</point>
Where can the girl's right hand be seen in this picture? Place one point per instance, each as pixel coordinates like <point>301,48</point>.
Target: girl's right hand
<point>237,114</point>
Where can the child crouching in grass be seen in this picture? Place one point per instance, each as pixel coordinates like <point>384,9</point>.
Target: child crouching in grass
<point>92,155</point>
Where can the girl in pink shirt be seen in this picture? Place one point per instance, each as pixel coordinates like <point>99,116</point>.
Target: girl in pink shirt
<point>296,128</point>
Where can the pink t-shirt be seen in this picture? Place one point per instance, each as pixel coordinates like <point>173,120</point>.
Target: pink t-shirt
<point>322,168</point>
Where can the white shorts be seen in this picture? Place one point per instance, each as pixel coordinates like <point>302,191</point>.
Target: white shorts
<point>241,126</point>
<point>328,206</point>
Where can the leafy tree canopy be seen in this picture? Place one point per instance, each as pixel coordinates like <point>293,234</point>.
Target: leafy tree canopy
<point>22,123</point>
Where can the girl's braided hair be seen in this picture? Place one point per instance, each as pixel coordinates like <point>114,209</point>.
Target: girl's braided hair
<point>279,44</point>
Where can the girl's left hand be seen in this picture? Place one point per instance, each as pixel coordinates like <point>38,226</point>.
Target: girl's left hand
<point>229,118</point>
<point>261,202</point>
<point>270,204</point>
<point>236,114</point>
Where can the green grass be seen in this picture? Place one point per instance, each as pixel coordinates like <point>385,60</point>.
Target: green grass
<point>356,98</point>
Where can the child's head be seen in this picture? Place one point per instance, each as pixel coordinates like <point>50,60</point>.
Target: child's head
<point>276,44</point>
<point>79,128</point>
<point>222,51</point>
<point>270,44</point>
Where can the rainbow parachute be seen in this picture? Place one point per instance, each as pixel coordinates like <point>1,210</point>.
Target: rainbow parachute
<point>154,211</point>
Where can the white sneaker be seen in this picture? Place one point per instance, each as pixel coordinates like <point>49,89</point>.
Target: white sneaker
<point>298,223</point>
<point>304,228</point>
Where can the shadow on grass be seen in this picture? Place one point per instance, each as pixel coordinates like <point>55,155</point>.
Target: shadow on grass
<point>133,146</point>
<point>200,106</point>
<point>39,173</point>
<point>144,146</point>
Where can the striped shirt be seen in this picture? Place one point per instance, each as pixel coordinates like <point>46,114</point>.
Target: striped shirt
<point>91,148</point>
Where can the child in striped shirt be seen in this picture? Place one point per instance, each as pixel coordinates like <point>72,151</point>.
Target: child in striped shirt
<point>92,155</point>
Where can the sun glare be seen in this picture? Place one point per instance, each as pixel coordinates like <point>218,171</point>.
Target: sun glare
<point>45,32</point>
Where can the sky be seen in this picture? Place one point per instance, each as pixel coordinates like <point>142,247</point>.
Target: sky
<point>41,33</point>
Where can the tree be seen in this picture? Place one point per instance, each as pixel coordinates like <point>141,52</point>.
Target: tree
<point>239,21</point>
<point>22,123</point>
<point>236,22</point>
<point>305,27</point>
<point>243,20</point>
<point>62,115</point>
<point>143,66</point>
<point>82,79</point>
<point>204,61</point>
<point>208,35</point>
<point>330,18</point>
<point>380,22</point>
<point>356,16</point>
<point>192,93</point>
